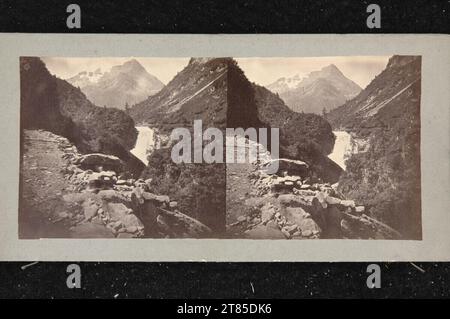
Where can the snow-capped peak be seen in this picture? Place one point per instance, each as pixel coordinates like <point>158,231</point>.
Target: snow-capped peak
<point>285,84</point>
<point>85,78</point>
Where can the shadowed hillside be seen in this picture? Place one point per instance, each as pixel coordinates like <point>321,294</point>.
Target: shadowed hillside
<point>55,105</point>
<point>386,174</point>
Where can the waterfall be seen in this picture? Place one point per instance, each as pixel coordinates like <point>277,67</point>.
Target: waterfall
<point>144,143</point>
<point>342,148</point>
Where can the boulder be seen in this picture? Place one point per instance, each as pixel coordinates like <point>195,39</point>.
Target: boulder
<point>292,200</point>
<point>292,167</point>
<point>294,215</point>
<point>100,180</point>
<point>131,229</point>
<point>286,233</point>
<point>348,203</point>
<point>157,198</point>
<point>256,202</point>
<point>111,195</point>
<point>181,225</point>
<point>304,193</point>
<point>332,200</point>
<point>359,209</point>
<point>115,225</point>
<point>173,204</point>
<point>90,209</point>
<point>306,233</point>
<point>292,229</point>
<point>96,160</point>
<point>63,215</point>
<point>267,213</point>
<point>131,220</point>
<point>117,211</point>
<point>309,227</point>
<point>107,174</point>
<point>288,183</point>
<point>268,231</point>
<point>241,219</point>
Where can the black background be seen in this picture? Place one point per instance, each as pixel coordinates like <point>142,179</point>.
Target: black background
<point>225,280</point>
<point>226,16</point>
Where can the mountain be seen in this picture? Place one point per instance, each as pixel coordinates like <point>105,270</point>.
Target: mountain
<point>85,78</point>
<point>303,136</point>
<point>319,90</point>
<point>199,91</point>
<point>284,84</point>
<point>376,105</point>
<point>386,116</point>
<point>307,137</point>
<point>52,104</point>
<point>217,91</point>
<point>125,84</point>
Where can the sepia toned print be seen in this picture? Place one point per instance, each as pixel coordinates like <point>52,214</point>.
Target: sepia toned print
<point>99,137</point>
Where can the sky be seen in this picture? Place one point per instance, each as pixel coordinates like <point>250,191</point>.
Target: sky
<point>163,68</point>
<point>263,71</point>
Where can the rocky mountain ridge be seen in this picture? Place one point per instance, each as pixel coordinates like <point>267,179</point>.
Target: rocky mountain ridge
<point>385,119</point>
<point>316,92</point>
<point>85,78</point>
<point>197,92</point>
<point>123,86</point>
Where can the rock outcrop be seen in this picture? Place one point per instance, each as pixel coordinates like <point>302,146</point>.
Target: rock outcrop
<point>296,207</point>
<point>93,198</point>
<point>96,160</point>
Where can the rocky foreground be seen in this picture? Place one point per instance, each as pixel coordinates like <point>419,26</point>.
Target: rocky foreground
<point>291,206</point>
<point>68,194</point>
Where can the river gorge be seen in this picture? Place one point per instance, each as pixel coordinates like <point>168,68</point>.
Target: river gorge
<point>147,138</point>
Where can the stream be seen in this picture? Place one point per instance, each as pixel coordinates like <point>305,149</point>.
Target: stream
<point>144,143</point>
<point>342,148</point>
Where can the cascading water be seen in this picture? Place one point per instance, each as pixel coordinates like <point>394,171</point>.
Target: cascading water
<point>144,143</point>
<point>342,148</point>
